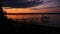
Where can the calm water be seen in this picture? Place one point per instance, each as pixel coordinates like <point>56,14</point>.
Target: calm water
<point>23,16</point>
<point>53,19</point>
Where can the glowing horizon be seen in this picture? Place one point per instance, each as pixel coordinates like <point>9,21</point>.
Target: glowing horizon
<point>29,10</point>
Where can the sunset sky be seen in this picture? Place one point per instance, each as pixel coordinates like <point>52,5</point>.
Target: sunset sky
<point>43,7</point>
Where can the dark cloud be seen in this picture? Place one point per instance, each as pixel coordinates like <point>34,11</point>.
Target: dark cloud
<point>20,3</point>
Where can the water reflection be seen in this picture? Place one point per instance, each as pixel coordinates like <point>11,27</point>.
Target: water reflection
<point>35,19</point>
<point>23,16</point>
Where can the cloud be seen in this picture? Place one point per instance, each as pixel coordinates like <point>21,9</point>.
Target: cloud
<point>20,3</point>
<point>48,3</point>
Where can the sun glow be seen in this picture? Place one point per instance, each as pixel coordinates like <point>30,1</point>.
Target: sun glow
<point>30,10</point>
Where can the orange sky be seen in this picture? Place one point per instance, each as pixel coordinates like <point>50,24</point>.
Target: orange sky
<point>29,10</point>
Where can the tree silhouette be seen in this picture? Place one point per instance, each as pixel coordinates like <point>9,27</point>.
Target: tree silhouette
<point>4,26</point>
<point>2,17</point>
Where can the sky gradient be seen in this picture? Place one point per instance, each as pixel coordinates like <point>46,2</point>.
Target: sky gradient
<point>45,6</point>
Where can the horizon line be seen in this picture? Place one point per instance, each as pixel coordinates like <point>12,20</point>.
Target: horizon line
<point>27,13</point>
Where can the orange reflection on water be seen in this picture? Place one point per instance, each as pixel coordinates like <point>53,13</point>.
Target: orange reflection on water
<point>22,16</point>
